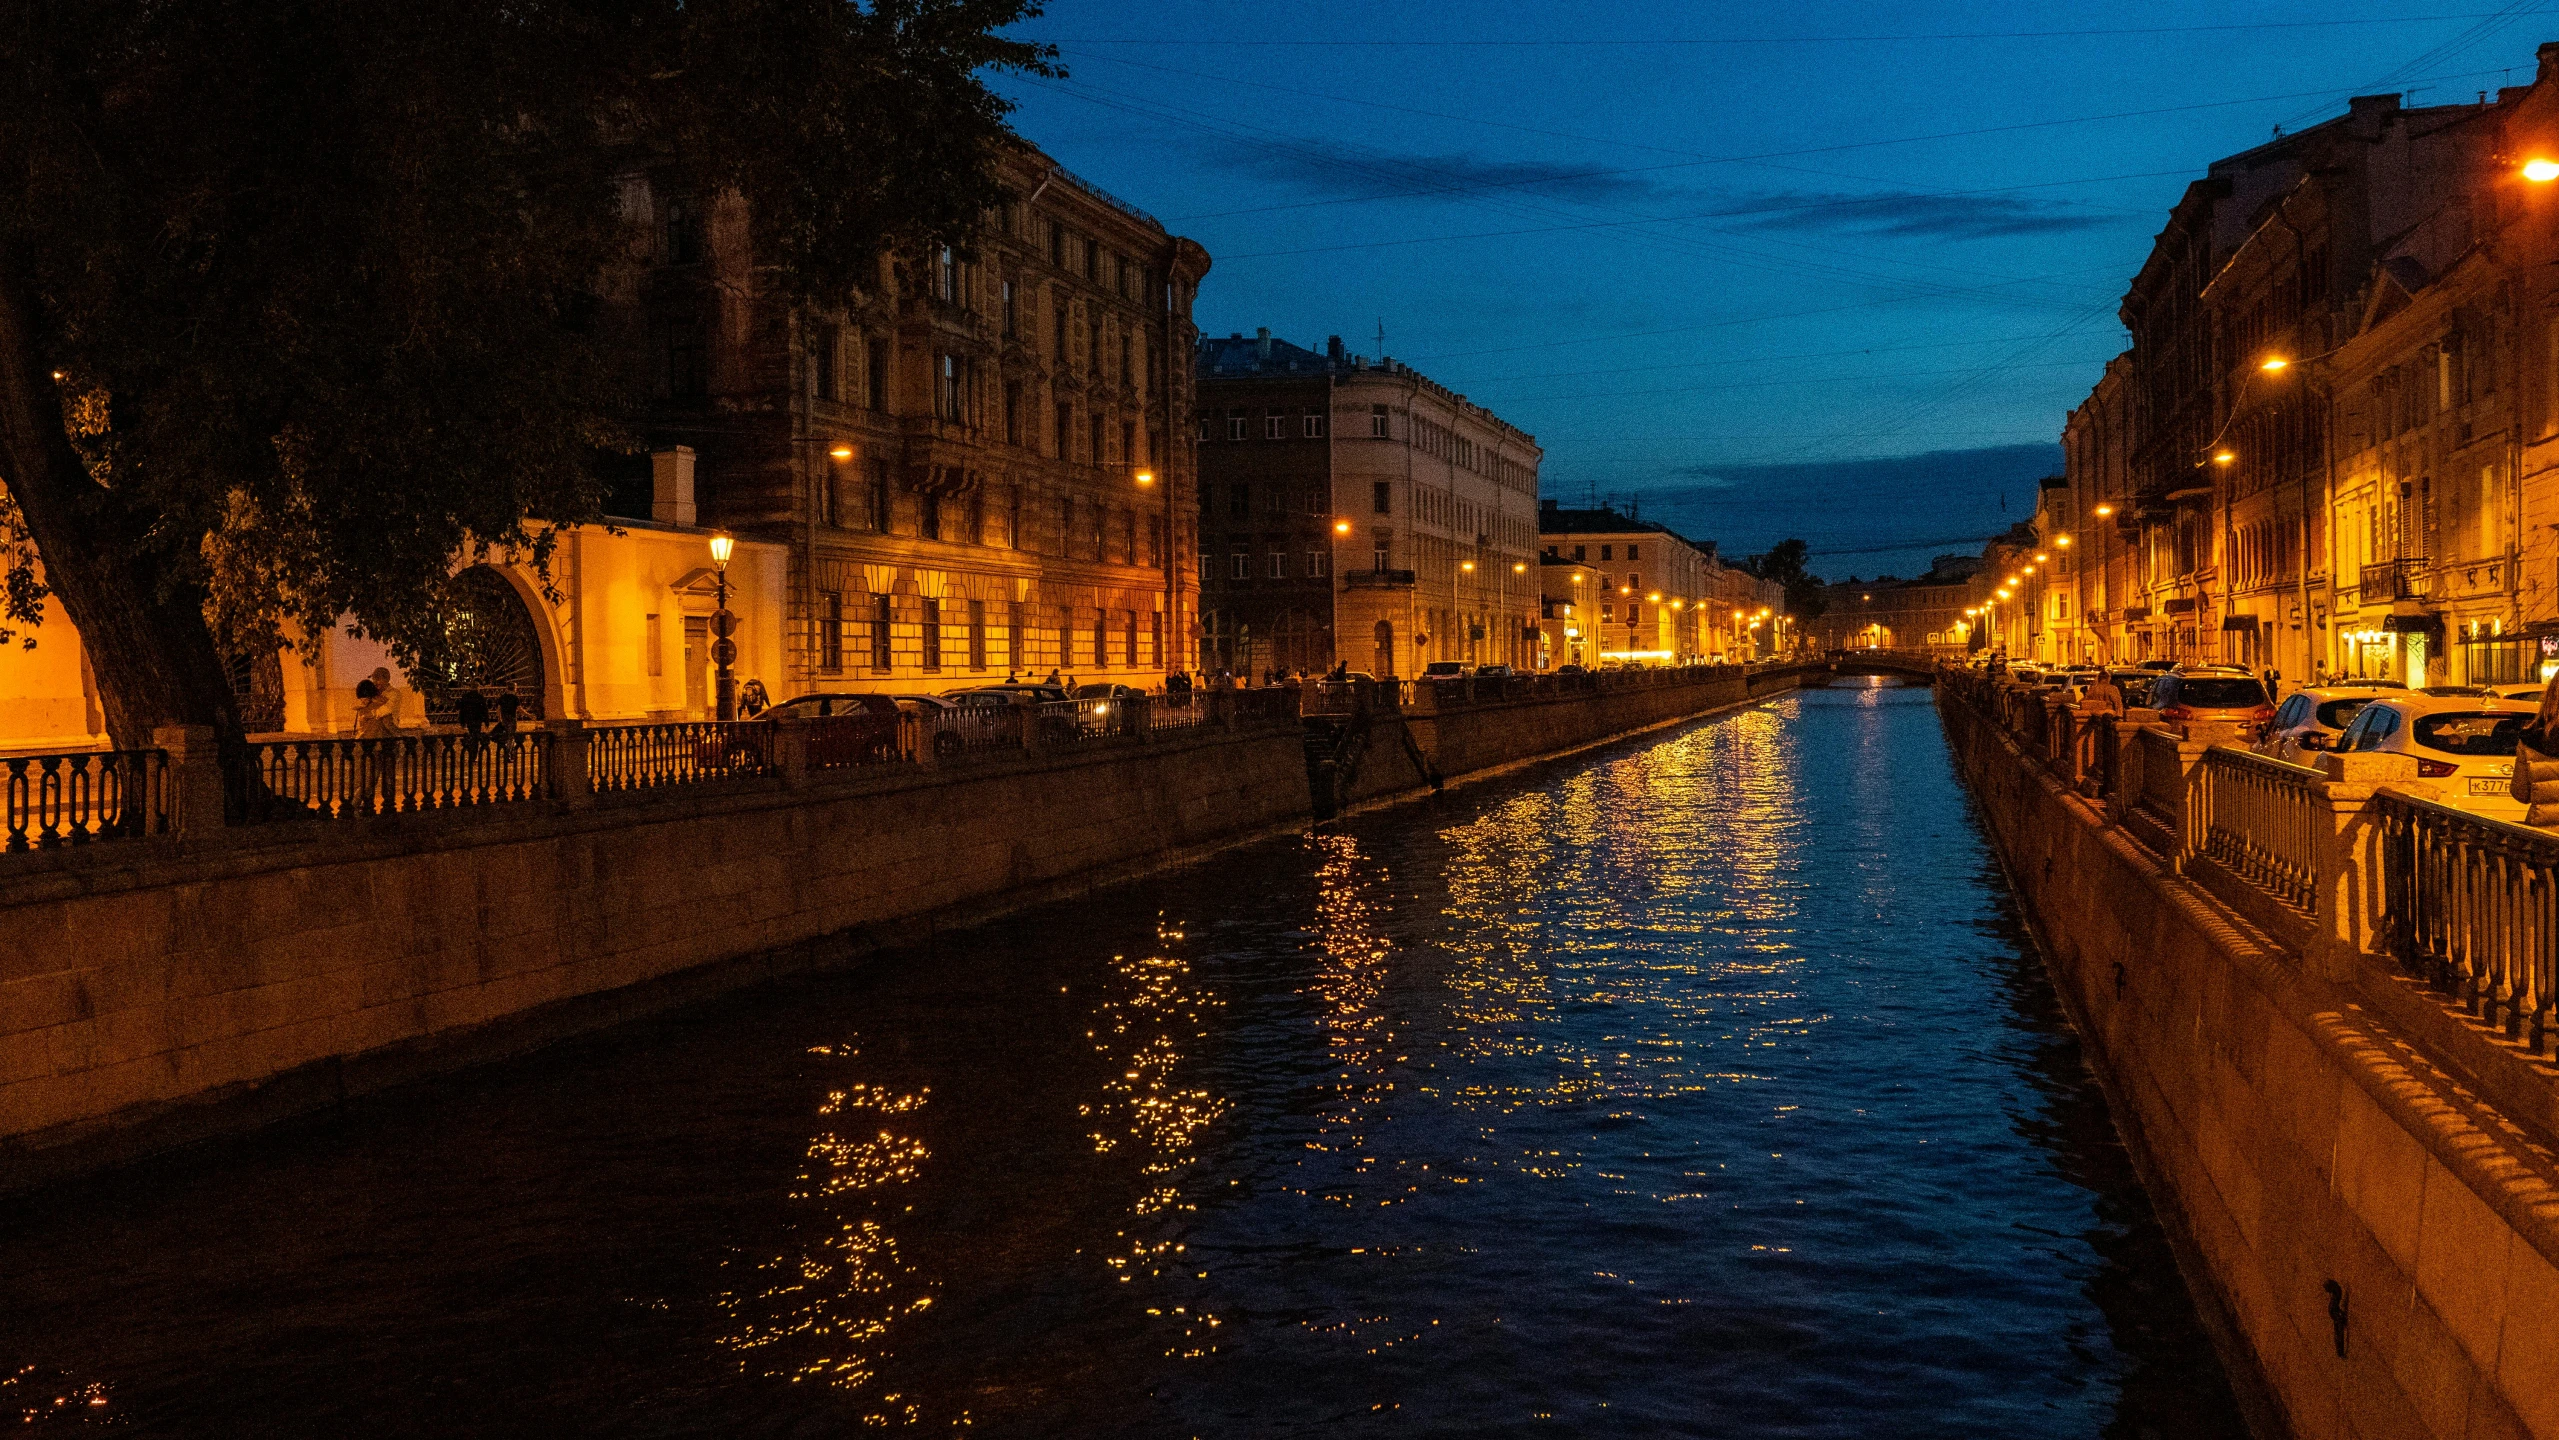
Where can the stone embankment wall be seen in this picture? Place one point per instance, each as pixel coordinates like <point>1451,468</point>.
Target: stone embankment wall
<point>2373,1237</point>
<point>152,992</point>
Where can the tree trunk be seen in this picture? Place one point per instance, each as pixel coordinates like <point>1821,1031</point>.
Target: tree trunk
<point>148,646</point>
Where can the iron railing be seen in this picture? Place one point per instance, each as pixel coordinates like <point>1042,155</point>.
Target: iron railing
<point>646,757</point>
<point>2472,905</point>
<point>2260,818</point>
<point>83,796</point>
<point>396,775</point>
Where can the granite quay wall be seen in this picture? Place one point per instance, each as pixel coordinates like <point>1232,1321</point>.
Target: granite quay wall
<point>2343,1109</point>
<point>405,907</point>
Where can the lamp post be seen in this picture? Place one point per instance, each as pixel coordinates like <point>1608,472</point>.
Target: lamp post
<point>723,625</point>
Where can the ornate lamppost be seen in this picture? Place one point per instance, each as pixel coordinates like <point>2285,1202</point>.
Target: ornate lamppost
<point>723,625</point>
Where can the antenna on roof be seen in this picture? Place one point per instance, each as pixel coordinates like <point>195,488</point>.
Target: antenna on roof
<point>1381,337</point>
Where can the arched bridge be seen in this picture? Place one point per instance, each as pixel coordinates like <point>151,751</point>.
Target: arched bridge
<point>1914,665</point>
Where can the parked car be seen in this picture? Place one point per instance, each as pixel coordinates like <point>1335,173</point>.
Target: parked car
<point>860,727</point>
<point>938,718</point>
<point>2310,720</point>
<point>1494,672</point>
<point>2136,685</point>
<point>2211,694</point>
<point>2464,745</point>
<point>2527,694</point>
<point>1055,728</point>
<point>1100,706</point>
<point>1443,670</point>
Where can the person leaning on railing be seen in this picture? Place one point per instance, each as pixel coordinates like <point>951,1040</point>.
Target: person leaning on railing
<point>2536,779</point>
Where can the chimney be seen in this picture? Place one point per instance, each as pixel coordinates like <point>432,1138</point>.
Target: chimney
<point>1333,348</point>
<point>1262,343</point>
<point>2548,55</point>
<point>2370,114</point>
<point>671,486</point>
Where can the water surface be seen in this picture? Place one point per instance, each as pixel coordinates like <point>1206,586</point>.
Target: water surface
<point>1701,1085</point>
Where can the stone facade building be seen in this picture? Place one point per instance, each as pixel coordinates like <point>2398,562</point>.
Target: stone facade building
<point>981,465</point>
<point>1615,589</point>
<point>1926,612</point>
<point>1356,512</point>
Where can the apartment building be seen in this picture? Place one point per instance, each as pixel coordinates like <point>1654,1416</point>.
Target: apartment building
<point>1354,511</point>
<point>980,465</point>
<point>1615,589</point>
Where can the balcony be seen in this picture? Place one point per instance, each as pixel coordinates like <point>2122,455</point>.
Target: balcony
<point>1377,579</point>
<point>2401,579</point>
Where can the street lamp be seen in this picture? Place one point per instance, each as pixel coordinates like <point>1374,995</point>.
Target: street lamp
<point>723,625</point>
<point>2540,171</point>
<point>1145,477</point>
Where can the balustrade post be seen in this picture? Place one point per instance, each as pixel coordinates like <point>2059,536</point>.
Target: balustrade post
<point>196,783</point>
<point>1030,717</point>
<point>791,750</point>
<point>571,784</point>
<point>2354,901</point>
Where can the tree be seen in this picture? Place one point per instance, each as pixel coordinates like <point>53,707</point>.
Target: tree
<point>298,299</point>
<point>1784,562</point>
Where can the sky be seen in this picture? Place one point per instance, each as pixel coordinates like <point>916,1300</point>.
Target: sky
<point>1833,270</point>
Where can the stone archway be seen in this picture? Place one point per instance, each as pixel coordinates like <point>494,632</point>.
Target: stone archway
<point>491,643</point>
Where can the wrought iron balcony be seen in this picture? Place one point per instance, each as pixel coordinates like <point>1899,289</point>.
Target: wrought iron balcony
<point>2401,579</point>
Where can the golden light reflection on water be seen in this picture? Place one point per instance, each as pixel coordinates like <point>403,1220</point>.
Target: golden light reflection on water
<point>1659,890</point>
<point>824,1312</point>
<point>1144,1030</point>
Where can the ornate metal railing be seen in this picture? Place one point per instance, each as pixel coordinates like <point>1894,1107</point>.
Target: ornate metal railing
<point>645,757</point>
<point>399,775</point>
<point>83,796</point>
<point>2472,905</point>
<point>2260,818</point>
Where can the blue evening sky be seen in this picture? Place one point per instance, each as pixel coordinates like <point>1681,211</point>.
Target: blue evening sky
<point>1834,269</point>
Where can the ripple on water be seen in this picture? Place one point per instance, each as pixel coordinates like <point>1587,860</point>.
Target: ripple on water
<point>1696,1086</point>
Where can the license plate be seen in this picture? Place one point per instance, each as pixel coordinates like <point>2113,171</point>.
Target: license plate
<point>2487,787</point>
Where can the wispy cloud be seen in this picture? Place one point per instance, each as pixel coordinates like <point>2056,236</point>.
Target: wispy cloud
<point>1327,171</point>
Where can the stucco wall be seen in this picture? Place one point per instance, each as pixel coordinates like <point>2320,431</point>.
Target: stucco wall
<point>2292,1138</point>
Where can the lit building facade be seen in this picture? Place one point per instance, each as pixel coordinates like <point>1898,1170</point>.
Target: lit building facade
<point>1358,513</point>
<point>1615,589</point>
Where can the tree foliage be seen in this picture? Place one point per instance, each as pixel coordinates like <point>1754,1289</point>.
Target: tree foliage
<point>1783,562</point>
<point>312,284</point>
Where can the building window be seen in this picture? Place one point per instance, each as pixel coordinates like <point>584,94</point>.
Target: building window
<point>1607,552</point>
<point>687,369</point>
<point>875,375</point>
<point>1317,562</point>
<point>946,277</point>
<point>1631,555</point>
<point>1235,425</point>
<point>879,506</point>
<point>928,515</point>
<point>1581,552</point>
<point>1274,425</point>
<point>1314,426</point>
<point>975,516</point>
<point>1381,497</point>
<point>1013,517</point>
<point>1634,578</point>
<point>977,634</point>
<point>824,342</point>
<point>1066,525</point>
<point>1155,640</point>
<point>932,633</point>
<point>1093,272</point>
<point>1128,629</point>
<point>657,653</point>
<point>1239,501</point>
<point>1128,441</point>
<point>1057,244</point>
<point>1381,553</point>
<point>683,232</point>
<point>1065,431</point>
<point>830,630</point>
<point>1128,365</point>
<point>1016,651</point>
<point>1095,454</point>
<point>950,399</point>
<point>1155,544</point>
<point>1012,312</point>
<point>881,612</point>
<point>1377,425</point>
<point>1279,565</point>
<point>1206,425</point>
<point>1013,412</point>
<point>1243,564</point>
<point>1060,345</point>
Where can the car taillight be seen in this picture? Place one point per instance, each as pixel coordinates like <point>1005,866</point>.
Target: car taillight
<point>2436,769</point>
<point>2177,712</point>
<point>2262,715</point>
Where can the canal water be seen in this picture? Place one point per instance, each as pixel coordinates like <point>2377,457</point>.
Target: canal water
<point>1699,1085</point>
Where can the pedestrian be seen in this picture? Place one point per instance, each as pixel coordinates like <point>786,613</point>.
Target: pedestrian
<point>471,712</point>
<point>1052,676</point>
<point>2536,777</point>
<point>2102,697</point>
<point>508,706</point>
<point>377,731</point>
<point>751,701</point>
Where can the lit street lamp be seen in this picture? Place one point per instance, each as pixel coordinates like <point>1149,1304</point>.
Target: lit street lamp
<point>723,625</point>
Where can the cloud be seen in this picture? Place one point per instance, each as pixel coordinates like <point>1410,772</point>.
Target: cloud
<point>1860,516</point>
<point>1353,172</point>
<point>1918,215</point>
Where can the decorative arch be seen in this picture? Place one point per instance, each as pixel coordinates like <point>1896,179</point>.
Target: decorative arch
<point>494,642</point>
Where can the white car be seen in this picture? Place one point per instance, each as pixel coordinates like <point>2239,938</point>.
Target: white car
<point>2464,745</point>
<point>2311,719</point>
<point>2521,694</point>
